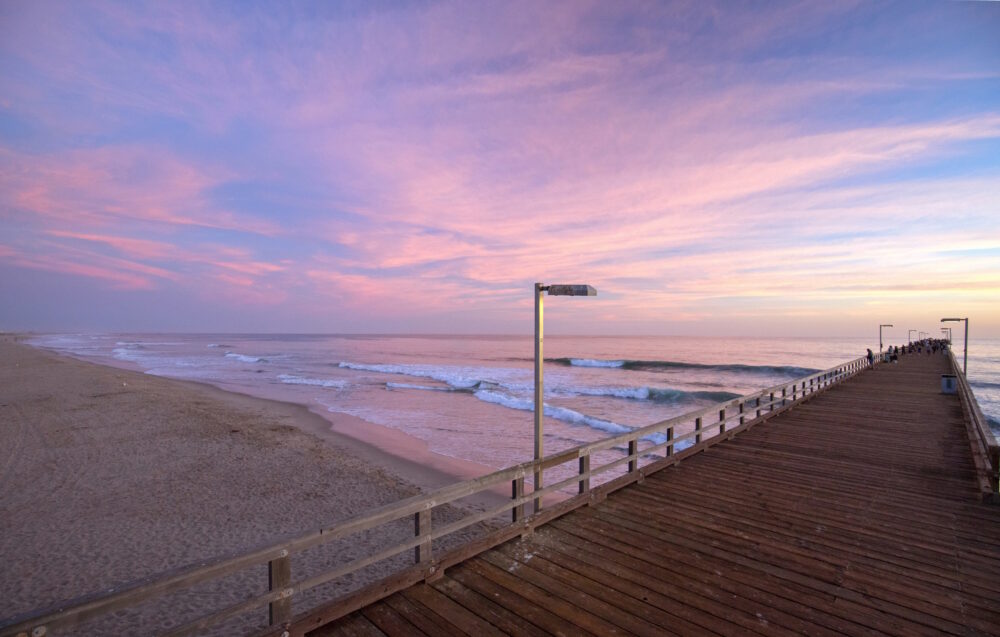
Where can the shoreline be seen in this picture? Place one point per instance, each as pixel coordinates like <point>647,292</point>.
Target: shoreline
<point>110,475</point>
<point>384,447</point>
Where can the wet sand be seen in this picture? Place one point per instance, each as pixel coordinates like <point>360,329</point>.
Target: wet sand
<point>108,475</point>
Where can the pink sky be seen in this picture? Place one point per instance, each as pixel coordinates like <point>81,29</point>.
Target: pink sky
<point>794,169</point>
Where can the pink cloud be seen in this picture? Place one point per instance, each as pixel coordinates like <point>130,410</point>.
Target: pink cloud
<point>123,278</point>
<point>105,186</point>
<point>255,268</point>
<point>140,248</point>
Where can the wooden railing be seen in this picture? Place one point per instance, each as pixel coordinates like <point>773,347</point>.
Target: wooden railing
<point>985,450</point>
<point>647,449</point>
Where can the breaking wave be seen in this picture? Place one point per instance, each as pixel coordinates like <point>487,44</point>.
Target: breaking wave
<point>656,394</point>
<point>589,362</point>
<point>561,413</point>
<point>784,370</point>
<point>457,377</point>
<point>245,359</point>
<point>470,380</point>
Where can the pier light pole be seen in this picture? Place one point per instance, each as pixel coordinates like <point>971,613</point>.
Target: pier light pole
<point>553,290</point>
<point>947,330</point>
<point>965,343</point>
<point>880,337</point>
<point>909,338</point>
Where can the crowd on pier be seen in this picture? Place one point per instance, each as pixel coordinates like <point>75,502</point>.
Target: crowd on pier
<point>926,346</point>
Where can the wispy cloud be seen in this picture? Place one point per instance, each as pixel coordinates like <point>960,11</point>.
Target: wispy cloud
<point>383,167</point>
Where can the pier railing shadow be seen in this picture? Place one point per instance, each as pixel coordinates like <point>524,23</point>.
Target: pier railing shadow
<point>592,473</point>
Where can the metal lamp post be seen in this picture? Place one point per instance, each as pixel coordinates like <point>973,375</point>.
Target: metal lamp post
<point>880,337</point>
<point>909,337</point>
<point>947,330</point>
<point>965,343</point>
<point>553,290</point>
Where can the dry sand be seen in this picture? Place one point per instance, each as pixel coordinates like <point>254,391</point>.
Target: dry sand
<point>109,475</point>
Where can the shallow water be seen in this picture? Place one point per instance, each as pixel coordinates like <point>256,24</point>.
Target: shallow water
<point>471,397</point>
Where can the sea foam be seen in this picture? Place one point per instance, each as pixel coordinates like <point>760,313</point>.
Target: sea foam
<point>472,379</point>
<point>290,379</point>
<point>562,414</point>
<point>245,359</point>
<point>458,377</point>
<point>593,362</point>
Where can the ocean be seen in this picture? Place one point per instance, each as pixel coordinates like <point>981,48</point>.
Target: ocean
<point>470,397</point>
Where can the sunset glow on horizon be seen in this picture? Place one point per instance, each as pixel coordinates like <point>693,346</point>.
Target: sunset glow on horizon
<point>800,169</point>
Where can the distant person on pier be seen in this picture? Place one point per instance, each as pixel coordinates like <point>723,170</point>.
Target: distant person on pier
<point>871,358</point>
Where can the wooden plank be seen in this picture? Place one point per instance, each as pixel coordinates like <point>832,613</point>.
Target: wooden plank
<point>451,611</point>
<point>505,620</point>
<point>906,592</point>
<point>357,626</point>
<point>883,613</point>
<point>696,591</point>
<point>685,566</point>
<point>538,616</point>
<point>677,612</point>
<point>947,605</point>
<point>814,594</point>
<point>864,547</point>
<point>390,622</point>
<point>633,616</point>
<point>579,618</point>
<point>423,618</point>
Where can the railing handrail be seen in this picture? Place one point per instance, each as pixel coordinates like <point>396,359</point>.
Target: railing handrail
<point>980,426</point>
<point>81,609</point>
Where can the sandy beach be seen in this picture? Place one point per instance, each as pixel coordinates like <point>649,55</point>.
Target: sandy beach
<point>109,475</point>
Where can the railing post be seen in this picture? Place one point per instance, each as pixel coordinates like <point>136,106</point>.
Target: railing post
<point>422,529</point>
<point>995,460</point>
<point>770,402</point>
<point>784,395</point>
<point>697,429</point>
<point>279,576</point>
<point>795,392</point>
<point>741,412</point>
<point>722,421</point>
<point>758,406</point>
<point>670,439</point>
<point>584,471</point>
<point>516,493</point>
<point>633,452</point>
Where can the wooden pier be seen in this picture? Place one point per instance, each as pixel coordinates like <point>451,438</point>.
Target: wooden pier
<point>858,512</point>
<point>853,501</point>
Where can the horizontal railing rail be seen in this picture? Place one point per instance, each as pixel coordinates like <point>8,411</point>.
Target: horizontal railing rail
<point>656,445</point>
<point>985,449</point>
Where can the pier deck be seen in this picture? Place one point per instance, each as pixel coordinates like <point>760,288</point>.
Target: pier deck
<point>855,513</point>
